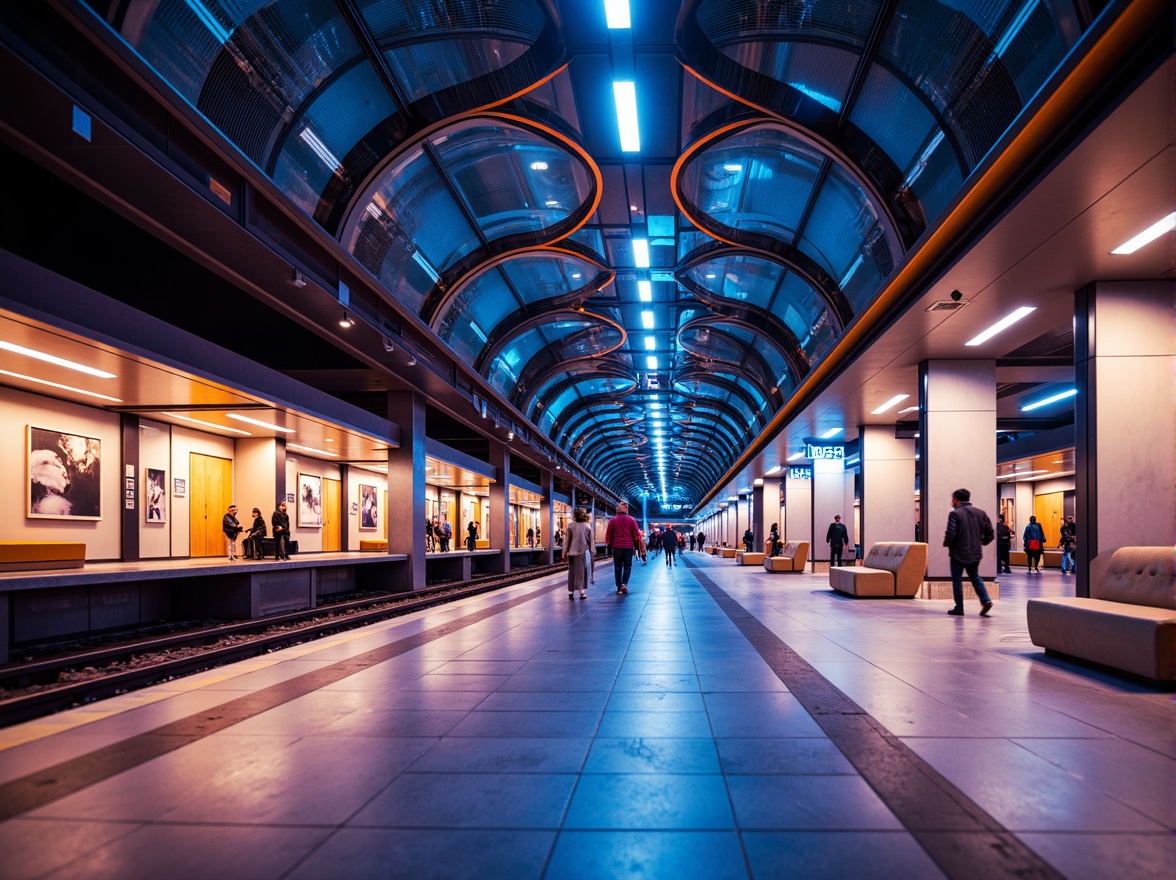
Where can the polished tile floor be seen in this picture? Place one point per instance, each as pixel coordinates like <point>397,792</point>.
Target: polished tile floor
<point>521,735</point>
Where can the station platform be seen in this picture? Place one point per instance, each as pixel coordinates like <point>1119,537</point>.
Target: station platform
<point>717,722</point>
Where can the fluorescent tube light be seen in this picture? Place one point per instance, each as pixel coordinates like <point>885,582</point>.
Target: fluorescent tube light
<point>616,13</point>
<point>59,385</point>
<point>625,95</point>
<point>647,320</point>
<point>1147,236</point>
<point>209,424</point>
<point>903,412</point>
<point>796,455</point>
<point>832,432</point>
<point>54,359</point>
<point>645,291</point>
<point>320,149</point>
<point>650,343</point>
<point>311,449</point>
<point>774,470</point>
<point>641,253</point>
<point>1047,401</point>
<point>259,424</point>
<point>890,404</point>
<point>1002,324</point>
<point>651,362</point>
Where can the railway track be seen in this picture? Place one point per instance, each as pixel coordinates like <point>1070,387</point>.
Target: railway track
<point>41,687</point>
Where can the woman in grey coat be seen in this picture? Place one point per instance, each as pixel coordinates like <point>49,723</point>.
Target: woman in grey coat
<point>577,542</point>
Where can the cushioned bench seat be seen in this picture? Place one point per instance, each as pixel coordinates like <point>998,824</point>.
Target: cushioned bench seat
<point>746,557</point>
<point>39,555</point>
<point>727,552</point>
<point>374,545</point>
<point>793,557</point>
<point>893,569</point>
<point>1049,558</point>
<point>1127,623</point>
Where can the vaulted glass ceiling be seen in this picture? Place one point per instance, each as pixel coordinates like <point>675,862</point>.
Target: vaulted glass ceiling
<point>466,154</point>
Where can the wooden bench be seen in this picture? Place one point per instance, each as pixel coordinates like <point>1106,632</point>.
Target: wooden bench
<point>746,557</point>
<point>1049,558</point>
<point>373,546</point>
<point>41,555</point>
<point>793,558</point>
<point>726,552</point>
<point>893,569</point>
<point>1128,622</point>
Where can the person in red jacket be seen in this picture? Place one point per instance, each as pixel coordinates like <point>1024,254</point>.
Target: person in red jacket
<point>622,539</point>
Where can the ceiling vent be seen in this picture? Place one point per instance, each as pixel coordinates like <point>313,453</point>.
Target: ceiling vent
<point>946,305</point>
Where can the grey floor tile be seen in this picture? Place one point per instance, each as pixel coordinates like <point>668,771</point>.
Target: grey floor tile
<point>647,855</point>
<point>1091,856</point>
<point>664,802</point>
<point>470,800</point>
<point>429,855</point>
<point>26,855</point>
<point>518,724</point>
<point>833,855</point>
<point>676,724</point>
<point>504,755</point>
<point>808,803</point>
<point>652,755</point>
<point>802,756</point>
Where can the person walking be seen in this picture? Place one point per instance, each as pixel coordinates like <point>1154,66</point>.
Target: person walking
<point>1034,538</point>
<point>1068,543</point>
<point>1004,542</point>
<point>280,521</point>
<point>692,542</point>
<point>621,540</point>
<point>252,543</point>
<point>578,543</point>
<point>430,535</point>
<point>669,544</point>
<point>472,536</point>
<point>445,533</point>
<point>774,545</point>
<point>836,537</point>
<point>748,540</point>
<point>701,541</point>
<point>968,530</point>
<point>231,526</point>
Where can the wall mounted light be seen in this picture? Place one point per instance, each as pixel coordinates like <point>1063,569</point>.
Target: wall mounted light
<point>299,279</point>
<point>411,360</point>
<point>388,344</point>
<point>345,321</point>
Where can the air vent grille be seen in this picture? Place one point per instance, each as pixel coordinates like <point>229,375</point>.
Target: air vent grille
<point>946,305</point>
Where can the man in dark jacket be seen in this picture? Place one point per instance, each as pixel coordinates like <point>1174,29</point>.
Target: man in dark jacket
<point>231,526</point>
<point>281,523</point>
<point>1004,543</point>
<point>968,530</point>
<point>837,537</point>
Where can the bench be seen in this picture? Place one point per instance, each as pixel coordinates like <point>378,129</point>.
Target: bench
<point>1049,558</point>
<point>40,555</point>
<point>726,552</point>
<point>893,569</point>
<point>373,546</point>
<point>793,557</point>
<point>746,557</point>
<point>1128,622</point>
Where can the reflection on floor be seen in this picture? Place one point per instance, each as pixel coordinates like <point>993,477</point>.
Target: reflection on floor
<point>522,735</point>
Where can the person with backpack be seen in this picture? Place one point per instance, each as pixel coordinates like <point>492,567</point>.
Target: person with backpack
<point>968,530</point>
<point>1034,538</point>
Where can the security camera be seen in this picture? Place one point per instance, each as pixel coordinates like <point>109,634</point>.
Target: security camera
<point>956,296</point>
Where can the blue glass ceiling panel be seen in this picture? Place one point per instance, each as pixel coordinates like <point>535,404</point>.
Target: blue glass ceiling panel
<point>843,21</point>
<point>591,337</point>
<point>741,277</point>
<point>512,180</point>
<point>333,123</point>
<point>893,116</point>
<point>475,312</point>
<point>543,277</point>
<point>804,312</point>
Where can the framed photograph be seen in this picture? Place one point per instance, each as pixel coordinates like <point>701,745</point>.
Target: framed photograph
<point>369,508</point>
<point>156,496</point>
<point>180,487</point>
<point>64,475</point>
<point>310,501</point>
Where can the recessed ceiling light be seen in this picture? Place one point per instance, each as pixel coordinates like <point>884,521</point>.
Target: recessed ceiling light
<point>54,359</point>
<point>795,456</point>
<point>641,253</point>
<point>893,402</point>
<point>625,96</point>
<point>645,291</point>
<point>832,432</point>
<point>1147,236</point>
<point>310,449</point>
<point>259,424</point>
<point>1054,398</point>
<point>59,385</point>
<point>209,424</point>
<point>1003,324</point>
<point>647,320</point>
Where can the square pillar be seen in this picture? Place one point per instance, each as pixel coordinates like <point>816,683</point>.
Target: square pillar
<point>957,450</point>
<point>798,512</point>
<point>499,530</point>
<point>406,486</point>
<point>888,486</point>
<point>828,500</point>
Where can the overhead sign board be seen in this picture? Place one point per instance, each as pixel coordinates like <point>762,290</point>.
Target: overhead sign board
<point>828,452</point>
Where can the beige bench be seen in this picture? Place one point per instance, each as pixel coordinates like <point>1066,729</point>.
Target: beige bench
<point>793,557</point>
<point>746,557</point>
<point>376,546</point>
<point>1049,558</point>
<point>893,569</point>
<point>1127,623</point>
<point>727,552</point>
<point>41,555</point>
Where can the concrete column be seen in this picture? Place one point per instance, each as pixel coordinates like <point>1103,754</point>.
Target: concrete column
<point>828,494</point>
<point>888,486</point>
<point>768,505</point>
<point>546,516</point>
<point>499,531</point>
<point>798,512</point>
<point>133,515</point>
<point>406,486</point>
<point>957,450</point>
<point>1124,432</point>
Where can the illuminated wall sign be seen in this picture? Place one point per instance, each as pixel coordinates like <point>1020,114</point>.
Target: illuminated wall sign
<point>831,453</point>
<point>800,473</point>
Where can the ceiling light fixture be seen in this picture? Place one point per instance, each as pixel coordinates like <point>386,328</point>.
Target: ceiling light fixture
<point>903,412</point>
<point>625,95</point>
<point>299,279</point>
<point>832,432</point>
<point>641,253</point>
<point>645,291</point>
<point>650,343</point>
<point>647,320</point>
<point>1047,401</point>
<point>1147,236</point>
<point>54,359</point>
<point>1003,324</point>
<point>616,13</point>
<point>59,385</point>
<point>345,321</point>
<point>208,424</point>
<point>259,423</point>
<point>310,449</point>
<point>795,456</point>
<point>388,344</point>
<point>890,404</point>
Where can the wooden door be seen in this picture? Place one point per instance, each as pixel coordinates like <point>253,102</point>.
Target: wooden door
<point>210,492</point>
<point>1048,510</point>
<point>332,502</point>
